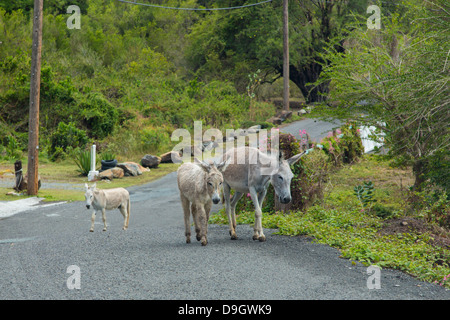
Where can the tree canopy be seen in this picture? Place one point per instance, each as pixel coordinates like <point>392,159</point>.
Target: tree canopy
<point>398,78</point>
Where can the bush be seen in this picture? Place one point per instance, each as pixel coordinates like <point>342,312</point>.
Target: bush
<point>52,90</point>
<point>107,155</point>
<point>434,207</point>
<point>138,137</point>
<point>364,194</point>
<point>310,173</point>
<point>66,138</point>
<point>83,161</point>
<point>343,145</point>
<point>153,139</point>
<point>100,115</point>
<point>438,170</point>
<point>382,211</point>
<point>316,169</point>
<point>13,150</point>
<point>350,143</point>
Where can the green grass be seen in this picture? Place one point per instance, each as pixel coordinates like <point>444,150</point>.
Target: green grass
<point>339,221</point>
<point>66,172</point>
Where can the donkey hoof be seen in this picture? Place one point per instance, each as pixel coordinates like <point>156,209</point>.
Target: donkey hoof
<point>104,229</point>
<point>255,237</point>
<point>198,238</point>
<point>91,230</point>
<point>234,237</point>
<point>188,240</point>
<point>262,238</point>
<point>204,243</point>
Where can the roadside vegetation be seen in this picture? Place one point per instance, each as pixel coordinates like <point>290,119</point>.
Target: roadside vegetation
<point>69,183</point>
<point>390,233</point>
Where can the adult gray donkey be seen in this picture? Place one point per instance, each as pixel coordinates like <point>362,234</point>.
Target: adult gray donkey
<point>251,171</point>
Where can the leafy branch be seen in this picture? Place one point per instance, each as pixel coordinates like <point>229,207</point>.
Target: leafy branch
<point>364,193</point>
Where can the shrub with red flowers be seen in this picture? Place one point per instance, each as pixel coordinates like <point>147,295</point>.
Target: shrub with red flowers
<point>343,145</point>
<point>310,173</point>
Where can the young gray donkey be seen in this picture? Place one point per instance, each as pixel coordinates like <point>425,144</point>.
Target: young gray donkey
<point>199,184</point>
<point>108,199</point>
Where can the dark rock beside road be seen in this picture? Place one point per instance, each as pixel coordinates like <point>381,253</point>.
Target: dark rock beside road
<point>150,161</point>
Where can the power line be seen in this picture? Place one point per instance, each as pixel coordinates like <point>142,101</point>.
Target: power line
<point>194,9</point>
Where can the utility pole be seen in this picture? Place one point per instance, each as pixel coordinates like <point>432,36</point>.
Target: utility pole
<point>285,55</point>
<point>35,87</point>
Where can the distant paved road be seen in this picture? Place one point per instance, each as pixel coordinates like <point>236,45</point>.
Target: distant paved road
<point>317,129</point>
<point>152,261</point>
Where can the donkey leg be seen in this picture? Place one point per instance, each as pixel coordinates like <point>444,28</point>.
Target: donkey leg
<point>261,197</point>
<point>93,221</point>
<point>128,211</point>
<point>187,217</point>
<point>237,196</point>
<point>196,222</point>
<point>124,212</point>
<point>207,211</point>
<point>203,224</point>
<point>257,230</point>
<point>104,219</point>
<point>226,195</point>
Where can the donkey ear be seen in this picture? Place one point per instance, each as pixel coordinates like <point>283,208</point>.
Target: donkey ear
<point>94,186</point>
<point>86,186</point>
<point>205,166</point>
<point>295,158</point>
<point>223,166</point>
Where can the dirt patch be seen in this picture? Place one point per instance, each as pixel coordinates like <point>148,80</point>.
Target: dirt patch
<point>439,236</point>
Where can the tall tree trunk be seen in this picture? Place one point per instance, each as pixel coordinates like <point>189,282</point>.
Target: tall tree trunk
<point>419,168</point>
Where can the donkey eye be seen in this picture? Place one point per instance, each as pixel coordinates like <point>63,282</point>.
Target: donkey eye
<point>280,177</point>
<point>210,184</point>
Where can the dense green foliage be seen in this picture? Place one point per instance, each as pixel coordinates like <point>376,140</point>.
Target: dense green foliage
<point>234,44</point>
<point>65,139</point>
<point>398,78</point>
<point>83,161</point>
<point>121,78</point>
<point>357,236</point>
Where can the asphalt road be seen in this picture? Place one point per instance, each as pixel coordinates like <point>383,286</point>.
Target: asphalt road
<point>152,261</point>
<point>317,129</point>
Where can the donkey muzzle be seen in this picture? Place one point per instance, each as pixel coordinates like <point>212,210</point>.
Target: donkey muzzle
<point>285,200</point>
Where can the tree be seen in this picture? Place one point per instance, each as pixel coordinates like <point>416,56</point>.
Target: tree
<point>401,72</point>
<point>53,6</point>
<point>316,23</point>
<point>235,43</point>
